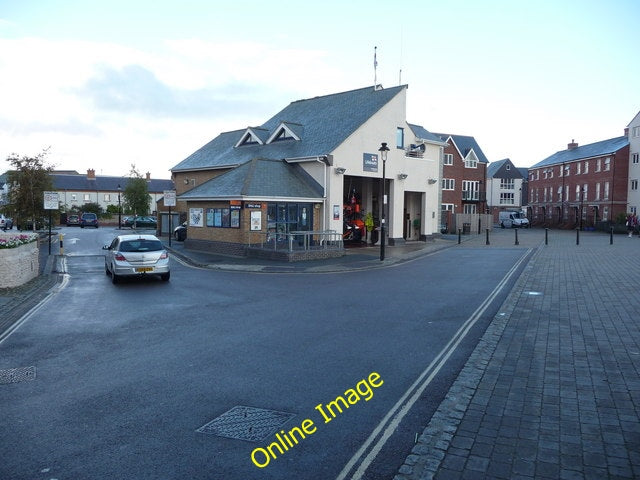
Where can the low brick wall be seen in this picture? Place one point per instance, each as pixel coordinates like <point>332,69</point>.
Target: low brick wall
<point>18,265</point>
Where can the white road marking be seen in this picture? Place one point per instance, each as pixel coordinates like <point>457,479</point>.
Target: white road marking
<point>397,413</point>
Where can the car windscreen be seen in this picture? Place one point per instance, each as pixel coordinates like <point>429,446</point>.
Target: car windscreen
<point>141,245</point>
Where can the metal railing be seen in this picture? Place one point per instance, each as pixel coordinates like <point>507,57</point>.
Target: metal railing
<point>300,241</point>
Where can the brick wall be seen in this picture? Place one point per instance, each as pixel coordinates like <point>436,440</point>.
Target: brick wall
<point>547,211</point>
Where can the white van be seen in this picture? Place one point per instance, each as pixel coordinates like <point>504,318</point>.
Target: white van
<point>513,220</point>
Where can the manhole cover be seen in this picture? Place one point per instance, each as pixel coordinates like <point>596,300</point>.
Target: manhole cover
<point>246,423</point>
<point>16,375</point>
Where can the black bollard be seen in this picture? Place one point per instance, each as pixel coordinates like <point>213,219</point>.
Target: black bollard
<point>611,237</point>
<point>577,236</point>
<point>459,236</point>
<point>546,236</point>
<point>516,230</point>
<point>487,236</point>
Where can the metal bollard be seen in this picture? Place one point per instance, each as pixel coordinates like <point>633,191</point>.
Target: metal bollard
<point>487,237</point>
<point>516,230</point>
<point>60,237</point>
<point>611,237</point>
<point>546,236</point>
<point>459,236</point>
<point>577,236</point>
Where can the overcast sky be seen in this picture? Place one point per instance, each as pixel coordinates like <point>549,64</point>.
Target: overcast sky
<point>107,84</point>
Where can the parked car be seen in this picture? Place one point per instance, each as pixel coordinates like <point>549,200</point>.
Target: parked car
<point>180,232</point>
<point>88,220</point>
<point>73,220</point>
<point>6,223</point>
<point>140,222</point>
<point>135,256</point>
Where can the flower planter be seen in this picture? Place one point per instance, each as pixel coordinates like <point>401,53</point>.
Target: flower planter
<point>18,265</point>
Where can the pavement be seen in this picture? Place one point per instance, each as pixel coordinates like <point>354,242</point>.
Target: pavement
<point>552,389</point>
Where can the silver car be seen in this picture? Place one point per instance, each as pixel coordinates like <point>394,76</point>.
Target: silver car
<point>136,255</point>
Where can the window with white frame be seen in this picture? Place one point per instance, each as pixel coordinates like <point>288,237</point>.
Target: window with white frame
<point>635,158</point>
<point>606,191</point>
<point>636,132</point>
<point>448,159</point>
<point>448,183</point>
<point>107,197</point>
<point>447,207</point>
<point>607,164</point>
<point>577,193</point>
<point>567,170</point>
<point>598,165</point>
<point>566,193</point>
<point>544,172</point>
<point>597,191</point>
<point>507,199</point>
<point>507,184</point>
<point>544,196</point>
<point>559,194</point>
<point>561,170</point>
<point>578,167</point>
<point>605,214</point>
<point>471,161</point>
<point>470,208</point>
<point>74,197</point>
<point>86,197</point>
<point>586,167</point>
<point>585,192</point>
<point>634,184</point>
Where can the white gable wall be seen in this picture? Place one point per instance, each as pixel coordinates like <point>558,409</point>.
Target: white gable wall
<point>382,127</point>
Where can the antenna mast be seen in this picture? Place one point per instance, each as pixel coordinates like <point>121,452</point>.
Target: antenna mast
<point>375,68</point>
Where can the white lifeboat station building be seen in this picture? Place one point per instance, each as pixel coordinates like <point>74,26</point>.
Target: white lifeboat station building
<point>311,176</point>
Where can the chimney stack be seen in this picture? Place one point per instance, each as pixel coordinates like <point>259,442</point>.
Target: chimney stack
<point>148,177</point>
<point>572,145</point>
<point>91,174</point>
<point>626,131</point>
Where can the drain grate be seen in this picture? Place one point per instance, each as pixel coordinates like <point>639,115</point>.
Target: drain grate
<point>246,423</point>
<point>16,375</point>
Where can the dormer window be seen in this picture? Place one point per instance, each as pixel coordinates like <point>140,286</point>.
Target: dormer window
<point>471,161</point>
<point>251,137</point>
<point>286,131</point>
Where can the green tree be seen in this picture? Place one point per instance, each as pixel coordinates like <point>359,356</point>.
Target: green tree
<point>28,180</point>
<point>136,194</point>
<point>92,207</point>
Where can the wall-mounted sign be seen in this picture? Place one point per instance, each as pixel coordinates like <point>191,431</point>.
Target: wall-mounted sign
<point>252,205</point>
<point>370,162</point>
<point>256,221</point>
<point>196,217</point>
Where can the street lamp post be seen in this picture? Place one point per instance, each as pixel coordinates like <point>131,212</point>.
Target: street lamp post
<point>383,155</point>
<point>581,206</point>
<point>119,209</point>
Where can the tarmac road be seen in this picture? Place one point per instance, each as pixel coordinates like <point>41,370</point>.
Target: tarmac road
<point>125,375</point>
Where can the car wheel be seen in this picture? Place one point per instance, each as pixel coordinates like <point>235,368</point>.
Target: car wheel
<point>114,277</point>
<point>165,276</point>
<point>106,270</point>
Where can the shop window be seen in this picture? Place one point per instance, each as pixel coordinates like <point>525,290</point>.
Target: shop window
<point>223,218</point>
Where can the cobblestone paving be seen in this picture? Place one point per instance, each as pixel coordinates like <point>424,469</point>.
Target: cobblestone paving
<point>553,388</point>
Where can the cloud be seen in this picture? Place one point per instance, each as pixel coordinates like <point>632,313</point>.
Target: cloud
<point>135,89</point>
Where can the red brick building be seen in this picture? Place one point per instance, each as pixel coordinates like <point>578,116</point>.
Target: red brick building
<point>464,175</point>
<point>580,186</point>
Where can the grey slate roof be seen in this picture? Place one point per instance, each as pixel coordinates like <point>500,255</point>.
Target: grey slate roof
<point>604,147</point>
<point>258,178</point>
<point>465,144</point>
<point>323,123</point>
<point>493,167</point>
<point>422,133</point>
<point>103,183</point>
